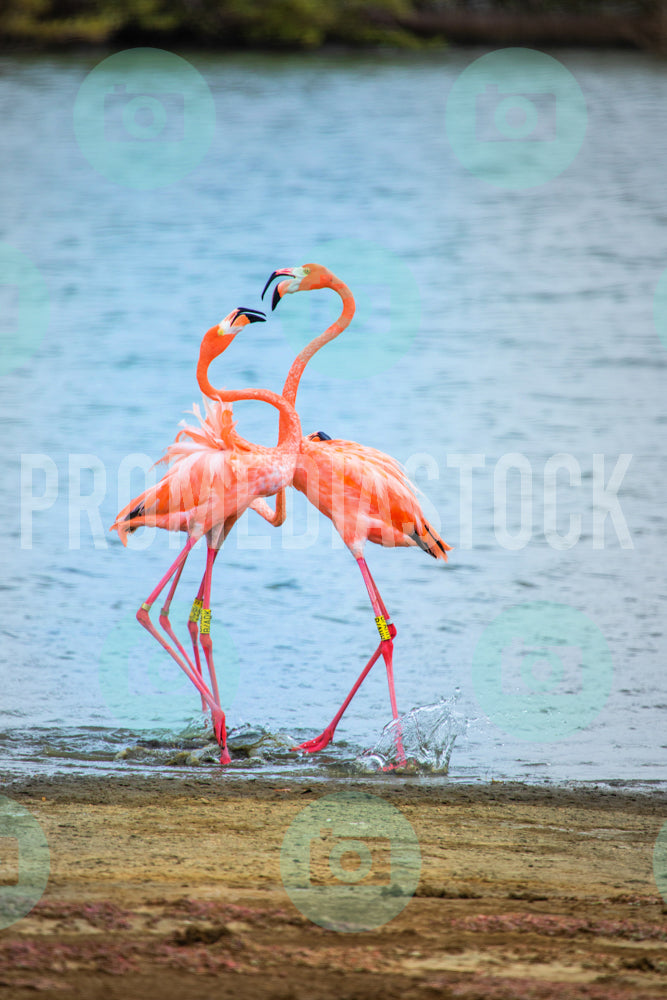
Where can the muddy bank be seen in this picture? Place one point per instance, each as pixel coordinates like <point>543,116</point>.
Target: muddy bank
<point>173,887</point>
<point>136,789</point>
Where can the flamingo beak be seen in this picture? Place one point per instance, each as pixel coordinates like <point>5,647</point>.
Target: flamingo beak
<point>252,315</point>
<point>281,287</point>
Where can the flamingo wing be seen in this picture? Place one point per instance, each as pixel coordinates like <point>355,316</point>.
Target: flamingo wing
<point>209,480</point>
<point>366,494</point>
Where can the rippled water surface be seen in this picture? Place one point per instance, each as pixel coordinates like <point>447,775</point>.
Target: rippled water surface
<point>515,323</point>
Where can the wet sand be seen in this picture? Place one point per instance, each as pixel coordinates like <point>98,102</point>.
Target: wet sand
<point>171,887</point>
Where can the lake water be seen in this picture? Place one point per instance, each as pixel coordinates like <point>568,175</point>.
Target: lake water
<point>501,326</point>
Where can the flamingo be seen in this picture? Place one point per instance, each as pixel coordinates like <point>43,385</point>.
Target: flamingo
<point>364,492</point>
<point>213,478</point>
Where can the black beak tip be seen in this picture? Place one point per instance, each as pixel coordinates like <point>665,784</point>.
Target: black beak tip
<point>273,275</point>
<point>276,297</point>
<point>253,315</point>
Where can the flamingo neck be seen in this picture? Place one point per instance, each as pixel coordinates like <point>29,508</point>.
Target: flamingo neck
<point>298,367</point>
<point>212,346</point>
<point>290,425</point>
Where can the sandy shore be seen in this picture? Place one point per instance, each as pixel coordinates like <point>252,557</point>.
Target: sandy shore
<point>172,888</point>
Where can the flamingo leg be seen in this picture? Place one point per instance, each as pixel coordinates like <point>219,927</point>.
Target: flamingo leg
<point>387,632</point>
<point>383,623</point>
<point>323,740</point>
<point>143,617</point>
<point>207,646</point>
<point>166,625</point>
<point>193,629</point>
<point>274,517</point>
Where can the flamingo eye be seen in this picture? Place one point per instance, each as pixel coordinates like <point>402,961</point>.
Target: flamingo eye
<point>306,270</point>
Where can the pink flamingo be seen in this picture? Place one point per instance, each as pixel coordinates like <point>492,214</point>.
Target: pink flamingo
<point>364,492</point>
<point>213,478</point>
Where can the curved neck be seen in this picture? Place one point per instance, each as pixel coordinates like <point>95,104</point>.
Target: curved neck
<point>211,347</point>
<point>296,371</point>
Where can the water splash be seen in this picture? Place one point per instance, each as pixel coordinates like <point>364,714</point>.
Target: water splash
<point>427,735</point>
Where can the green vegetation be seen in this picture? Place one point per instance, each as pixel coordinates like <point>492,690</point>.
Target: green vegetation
<point>233,23</point>
<point>308,24</point>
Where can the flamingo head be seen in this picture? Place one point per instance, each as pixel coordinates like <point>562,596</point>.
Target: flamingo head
<point>219,337</point>
<point>299,279</point>
<point>238,318</point>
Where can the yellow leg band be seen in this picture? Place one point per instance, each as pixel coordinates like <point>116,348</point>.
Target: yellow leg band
<point>205,626</point>
<point>145,606</point>
<point>383,628</point>
<point>196,609</point>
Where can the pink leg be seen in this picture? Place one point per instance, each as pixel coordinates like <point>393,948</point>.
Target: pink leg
<point>166,625</point>
<point>193,629</point>
<point>386,639</point>
<point>387,632</point>
<point>323,740</point>
<point>207,646</point>
<point>143,618</point>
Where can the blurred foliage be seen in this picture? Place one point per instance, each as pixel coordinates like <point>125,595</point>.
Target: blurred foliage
<point>265,23</point>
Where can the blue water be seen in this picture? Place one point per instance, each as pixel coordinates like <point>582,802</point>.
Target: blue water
<point>531,331</point>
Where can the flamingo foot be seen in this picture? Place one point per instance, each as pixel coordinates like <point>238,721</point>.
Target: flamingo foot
<point>220,731</point>
<point>319,743</point>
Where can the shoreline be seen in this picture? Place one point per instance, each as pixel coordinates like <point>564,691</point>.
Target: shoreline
<point>172,887</point>
<point>133,787</point>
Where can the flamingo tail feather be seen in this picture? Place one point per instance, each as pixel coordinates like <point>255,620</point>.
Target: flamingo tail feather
<point>430,541</point>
